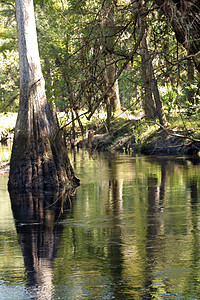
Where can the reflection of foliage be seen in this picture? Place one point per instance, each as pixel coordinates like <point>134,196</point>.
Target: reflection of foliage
<point>99,221</point>
<point>133,220</point>
<point>11,262</point>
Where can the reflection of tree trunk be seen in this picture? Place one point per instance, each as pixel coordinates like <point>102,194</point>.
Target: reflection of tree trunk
<point>194,190</point>
<point>115,241</point>
<point>164,181</point>
<point>39,237</point>
<point>155,202</point>
<point>195,243</point>
<point>152,232</point>
<point>116,190</point>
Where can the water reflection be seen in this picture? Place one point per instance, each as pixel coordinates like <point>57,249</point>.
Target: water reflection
<point>145,205</point>
<point>115,242</point>
<point>38,224</point>
<point>195,257</point>
<point>133,232</point>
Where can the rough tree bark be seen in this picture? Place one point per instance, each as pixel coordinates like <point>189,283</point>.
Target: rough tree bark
<point>39,160</point>
<point>184,16</point>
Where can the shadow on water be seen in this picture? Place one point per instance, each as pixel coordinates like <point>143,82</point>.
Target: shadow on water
<point>38,224</point>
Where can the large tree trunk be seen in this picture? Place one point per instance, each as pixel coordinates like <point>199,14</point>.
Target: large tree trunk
<point>39,160</point>
<point>184,16</point>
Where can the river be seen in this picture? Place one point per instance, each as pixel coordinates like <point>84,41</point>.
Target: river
<point>132,231</point>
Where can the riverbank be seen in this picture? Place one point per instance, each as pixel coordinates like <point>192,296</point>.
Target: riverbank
<point>146,137</point>
<point>129,135</point>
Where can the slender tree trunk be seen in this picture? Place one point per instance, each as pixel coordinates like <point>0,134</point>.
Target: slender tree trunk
<point>113,100</point>
<point>109,113</point>
<point>73,133</point>
<point>190,72</point>
<point>153,104</point>
<point>149,103</point>
<point>159,107</point>
<point>39,160</point>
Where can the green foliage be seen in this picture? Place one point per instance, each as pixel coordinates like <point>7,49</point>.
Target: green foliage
<point>7,122</point>
<point>169,98</point>
<point>9,69</point>
<point>75,43</point>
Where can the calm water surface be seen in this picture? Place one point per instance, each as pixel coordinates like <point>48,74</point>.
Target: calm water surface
<point>132,232</point>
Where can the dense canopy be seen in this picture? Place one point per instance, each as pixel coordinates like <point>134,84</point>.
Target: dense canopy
<point>142,56</point>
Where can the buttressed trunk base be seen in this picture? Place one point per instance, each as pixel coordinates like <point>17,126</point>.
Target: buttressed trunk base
<point>40,165</point>
<point>39,160</point>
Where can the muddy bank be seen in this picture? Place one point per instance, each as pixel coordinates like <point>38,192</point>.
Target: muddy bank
<point>108,142</point>
<point>159,143</point>
<point>120,138</point>
<point>166,144</point>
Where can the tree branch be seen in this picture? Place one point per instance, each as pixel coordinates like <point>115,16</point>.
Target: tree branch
<point>170,133</point>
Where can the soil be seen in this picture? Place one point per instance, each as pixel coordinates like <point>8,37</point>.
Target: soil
<point>165,144</point>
